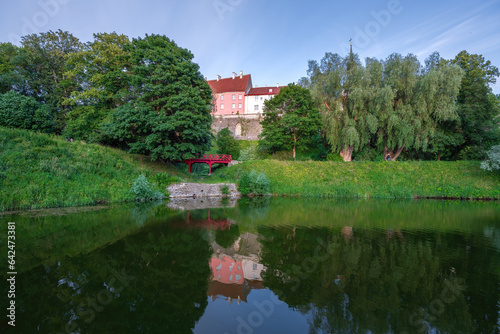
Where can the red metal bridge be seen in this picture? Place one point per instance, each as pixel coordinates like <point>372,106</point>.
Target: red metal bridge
<point>209,159</point>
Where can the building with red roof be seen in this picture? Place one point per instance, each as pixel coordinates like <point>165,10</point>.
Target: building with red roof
<point>238,105</point>
<point>256,97</point>
<point>230,93</point>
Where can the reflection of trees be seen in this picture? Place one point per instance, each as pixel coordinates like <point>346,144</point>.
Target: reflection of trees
<point>166,295</point>
<point>368,283</point>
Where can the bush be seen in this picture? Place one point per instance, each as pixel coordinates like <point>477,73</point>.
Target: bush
<point>226,144</point>
<point>225,189</point>
<point>253,182</point>
<point>84,123</point>
<point>144,191</point>
<point>249,153</point>
<point>24,112</point>
<point>334,157</point>
<point>494,159</point>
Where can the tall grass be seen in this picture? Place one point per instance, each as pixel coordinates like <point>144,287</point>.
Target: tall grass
<point>42,171</point>
<point>461,179</point>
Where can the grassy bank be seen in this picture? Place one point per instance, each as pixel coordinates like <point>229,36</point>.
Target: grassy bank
<point>43,171</point>
<point>461,179</point>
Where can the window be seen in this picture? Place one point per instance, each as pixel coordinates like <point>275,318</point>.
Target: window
<point>234,97</point>
<point>239,105</point>
<point>256,98</point>
<point>222,97</point>
<point>222,106</point>
<point>256,107</point>
<point>233,106</point>
<point>239,97</point>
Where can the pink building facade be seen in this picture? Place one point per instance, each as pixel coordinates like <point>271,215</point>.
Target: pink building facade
<point>229,94</point>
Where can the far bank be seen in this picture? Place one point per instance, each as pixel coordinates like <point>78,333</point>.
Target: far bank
<point>412,179</point>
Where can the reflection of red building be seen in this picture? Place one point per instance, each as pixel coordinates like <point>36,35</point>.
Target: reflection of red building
<point>227,270</point>
<point>233,280</point>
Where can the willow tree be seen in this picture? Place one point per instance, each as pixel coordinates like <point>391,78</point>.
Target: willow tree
<point>343,92</point>
<point>411,103</point>
<point>393,102</point>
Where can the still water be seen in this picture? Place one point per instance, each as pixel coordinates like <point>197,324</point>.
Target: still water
<point>269,265</point>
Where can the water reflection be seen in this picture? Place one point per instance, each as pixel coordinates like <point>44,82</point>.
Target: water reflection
<point>268,266</point>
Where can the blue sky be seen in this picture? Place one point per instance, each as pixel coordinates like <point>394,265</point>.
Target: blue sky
<point>273,40</point>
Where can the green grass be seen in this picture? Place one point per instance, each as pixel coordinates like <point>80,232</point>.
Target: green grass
<point>43,171</point>
<point>460,179</point>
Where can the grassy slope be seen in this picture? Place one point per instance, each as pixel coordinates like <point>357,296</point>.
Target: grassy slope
<point>375,179</point>
<point>41,171</point>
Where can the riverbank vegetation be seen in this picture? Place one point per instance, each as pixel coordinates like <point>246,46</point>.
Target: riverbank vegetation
<point>364,179</point>
<point>42,171</point>
<point>93,105</point>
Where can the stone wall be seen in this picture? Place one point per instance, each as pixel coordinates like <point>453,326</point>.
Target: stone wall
<point>201,190</point>
<point>242,127</point>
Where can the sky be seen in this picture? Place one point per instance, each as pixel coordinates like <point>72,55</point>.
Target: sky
<point>273,40</point>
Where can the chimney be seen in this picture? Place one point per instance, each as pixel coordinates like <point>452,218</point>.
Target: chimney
<point>234,75</point>
<point>277,85</point>
<point>218,77</point>
<point>241,74</point>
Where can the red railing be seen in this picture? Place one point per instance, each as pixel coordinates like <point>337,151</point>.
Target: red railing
<point>213,157</point>
<point>209,159</point>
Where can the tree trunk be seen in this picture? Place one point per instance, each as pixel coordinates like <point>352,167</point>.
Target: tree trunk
<point>392,155</point>
<point>346,153</point>
<point>439,157</point>
<point>294,144</point>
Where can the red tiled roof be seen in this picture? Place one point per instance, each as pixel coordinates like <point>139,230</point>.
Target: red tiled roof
<point>265,90</point>
<point>231,85</point>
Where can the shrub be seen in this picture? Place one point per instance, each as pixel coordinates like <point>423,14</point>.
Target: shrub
<point>224,189</point>
<point>24,112</point>
<point>249,153</point>
<point>494,159</point>
<point>253,182</point>
<point>226,144</point>
<point>262,184</point>
<point>334,157</point>
<point>144,191</point>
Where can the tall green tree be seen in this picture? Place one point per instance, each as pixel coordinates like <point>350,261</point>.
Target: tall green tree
<point>99,70</point>
<point>413,102</point>
<point>393,102</point>
<point>167,115</point>
<point>290,120</point>
<point>447,135</point>
<point>41,63</point>
<point>102,85</point>
<point>10,79</point>
<point>342,90</point>
<point>478,106</point>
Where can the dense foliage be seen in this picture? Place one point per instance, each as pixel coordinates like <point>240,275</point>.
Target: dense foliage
<point>392,105</point>
<point>493,162</point>
<point>226,144</point>
<point>290,120</point>
<point>145,95</point>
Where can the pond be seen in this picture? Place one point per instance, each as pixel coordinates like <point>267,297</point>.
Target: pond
<point>268,265</point>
